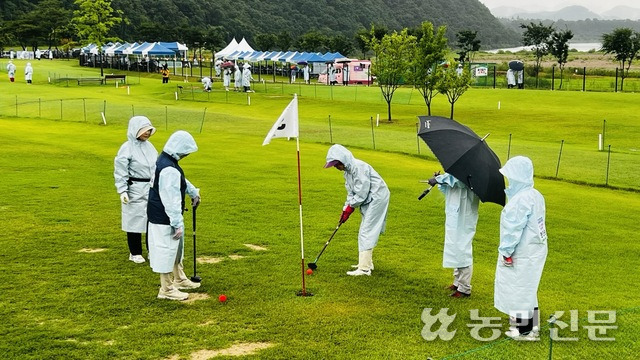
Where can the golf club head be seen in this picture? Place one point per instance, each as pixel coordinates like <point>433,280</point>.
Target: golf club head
<point>312,266</point>
<point>196,279</point>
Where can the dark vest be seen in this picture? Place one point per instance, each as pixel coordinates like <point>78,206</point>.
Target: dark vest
<point>155,208</point>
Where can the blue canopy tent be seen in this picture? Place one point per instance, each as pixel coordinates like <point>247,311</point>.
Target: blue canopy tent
<point>157,50</point>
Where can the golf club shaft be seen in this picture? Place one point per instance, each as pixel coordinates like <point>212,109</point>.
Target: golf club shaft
<point>194,240</point>
<point>327,243</point>
<point>424,193</point>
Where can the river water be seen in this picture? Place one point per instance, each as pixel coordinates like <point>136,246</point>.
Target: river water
<point>582,47</point>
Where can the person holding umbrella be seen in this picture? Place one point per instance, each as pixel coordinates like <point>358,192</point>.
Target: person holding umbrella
<point>461,217</point>
<point>226,78</point>
<point>134,166</point>
<point>365,190</point>
<point>522,251</point>
<point>166,223</point>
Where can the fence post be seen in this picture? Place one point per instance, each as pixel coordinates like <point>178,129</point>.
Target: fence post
<point>373,136</point>
<point>584,78</point>
<point>494,76</point>
<point>509,148</point>
<point>553,78</point>
<point>104,108</point>
<point>559,156</point>
<point>604,127</point>
<point>203,116</point>
<point>606,181</point>
<point>133,111</point>
<point>616,86</point>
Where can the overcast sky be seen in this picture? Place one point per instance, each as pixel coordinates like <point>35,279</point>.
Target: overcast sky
<point>551,5</point>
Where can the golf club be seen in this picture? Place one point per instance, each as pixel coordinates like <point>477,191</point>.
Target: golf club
<point>313,265</point>
<point>195,278</point>
<point>424,193</point>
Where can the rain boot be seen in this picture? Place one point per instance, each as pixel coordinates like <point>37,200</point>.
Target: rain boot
<point>365,264</point>
<point>180,280</point>
<point>167,291</point>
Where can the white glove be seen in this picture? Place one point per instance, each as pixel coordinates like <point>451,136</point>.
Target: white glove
<point>124,198</point>
<point>195,201</point>
<point>178,234</point>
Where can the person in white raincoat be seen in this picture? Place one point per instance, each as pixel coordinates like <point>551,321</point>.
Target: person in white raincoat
<point>166,223</point>
<point>366,190</point>
<point>11,71</point>
<point>461,217</point>
<point>511,79</point>
<point>206,83</point>
<point>522,250</point>
<point>28,73</point>
<point>305,73</point>
<point>237,79</point>
<point>134,166</point>
<point>246,77</point>
<point>226,78</point>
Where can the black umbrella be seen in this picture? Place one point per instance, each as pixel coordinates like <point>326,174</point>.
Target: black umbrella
<point>516,65</point>
<point>464,155</point>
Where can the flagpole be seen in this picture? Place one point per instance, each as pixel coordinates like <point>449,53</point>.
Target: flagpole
<point>304,290</point>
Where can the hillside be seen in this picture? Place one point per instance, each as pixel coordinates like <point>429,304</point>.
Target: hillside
<point>169,19</point>
<point>590,30</point>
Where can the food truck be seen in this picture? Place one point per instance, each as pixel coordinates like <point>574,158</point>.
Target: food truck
<point>357,72</point>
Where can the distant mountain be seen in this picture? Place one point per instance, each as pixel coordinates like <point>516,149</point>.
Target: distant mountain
<point>569,13</point>
<point>506,11</point>
<point>622,12</point>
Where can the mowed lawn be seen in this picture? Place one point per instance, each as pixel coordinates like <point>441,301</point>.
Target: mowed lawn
<point>61,300</point>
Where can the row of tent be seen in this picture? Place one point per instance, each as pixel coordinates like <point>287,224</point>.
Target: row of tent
<point>144,49</point>
<point>288,56</point>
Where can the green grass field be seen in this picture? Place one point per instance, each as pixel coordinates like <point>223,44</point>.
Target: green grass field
<point>58,199</point>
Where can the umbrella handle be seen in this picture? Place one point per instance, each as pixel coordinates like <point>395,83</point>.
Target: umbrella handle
<point>470,183</point>
<point>424,193</point>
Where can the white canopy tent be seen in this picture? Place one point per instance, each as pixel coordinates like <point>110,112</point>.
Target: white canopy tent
<point>235,47</point>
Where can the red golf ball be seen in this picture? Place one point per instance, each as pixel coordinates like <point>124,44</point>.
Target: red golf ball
<point>222,298</point>
<point>309,271</point>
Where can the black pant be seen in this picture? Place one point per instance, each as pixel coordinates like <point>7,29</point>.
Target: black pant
<point>135,243</point>
<point>526,325</point>
<point>165,80</point>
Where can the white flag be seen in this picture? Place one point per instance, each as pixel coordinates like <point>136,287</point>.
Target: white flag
<point>287,124</point>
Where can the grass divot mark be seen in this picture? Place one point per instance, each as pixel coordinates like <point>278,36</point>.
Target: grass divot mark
<point>91,251</point>
<point>236,257</point>
<point>255,247</point>
<point>209,260</point>
<point>243,349</point>
<point>193,297</point>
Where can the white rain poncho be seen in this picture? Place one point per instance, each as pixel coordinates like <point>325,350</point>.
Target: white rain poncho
<point>366,190</point>
<point>246,76</point>
<point>28,72</point>
<point>164,251</point>
<point>523,237</point>
<point>226,77</point>
<point>206,83</point>
<point>237,78</point>
<point>11,69</point>
<point>461,211</point>
<point>135,160</point>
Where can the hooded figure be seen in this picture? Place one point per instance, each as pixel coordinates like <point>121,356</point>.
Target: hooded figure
<point>166,223</point>
<point>461,211</point>
<point>366,190</point>
<point>305,74</point>
<point>28,73</point>
<point>522,250</point>
<point>206,83</point>
<point>134,166</point>
<point>226,78</point>
<point>246,77</point>
<point>237,79</point>
<point>511,79</point>
<point>11,71</point>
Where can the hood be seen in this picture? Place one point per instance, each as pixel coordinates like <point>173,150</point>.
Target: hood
<point>180,143</point>
<point>136,124</point>
<point>519,173</point>
<point>28,64</point>
<point>340,153</point>
<point>246,66</point>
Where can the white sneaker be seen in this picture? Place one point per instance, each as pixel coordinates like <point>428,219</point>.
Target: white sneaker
<point>356,266</point>
<point>533,335</point>
<point>173,294</point>
<point>359,272</point>
<point>185,284</point>
<point>138,259</point>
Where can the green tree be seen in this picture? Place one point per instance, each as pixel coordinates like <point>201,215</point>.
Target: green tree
<point>559,48</point>
<point>391,65</point>
<point>537,36</point>
<point>625,44</point>
<point>375,33</point>
<point>342,44</point>
<point>94,20</point>
<point>468,44</point>
<point>362,41</point>
<point>313,41</point>
<point>53,19</point>
<point>453,85</point>
<point>430,50</point>
<point>6,38</point>
<point>265,41</point>
<point>284,41</point>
